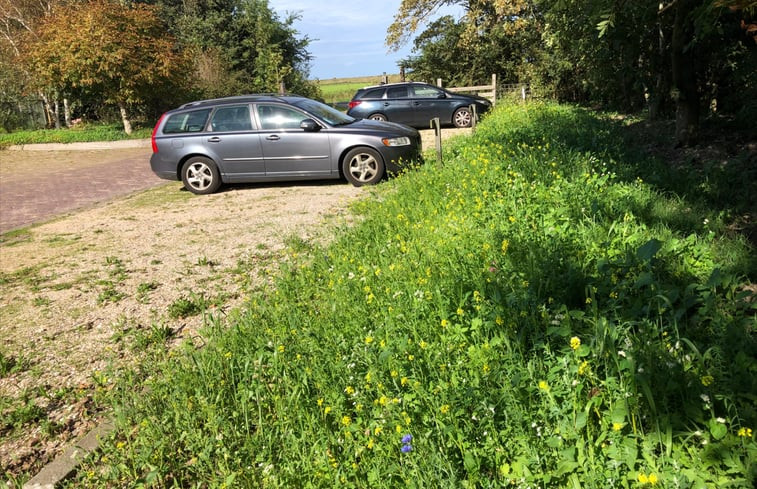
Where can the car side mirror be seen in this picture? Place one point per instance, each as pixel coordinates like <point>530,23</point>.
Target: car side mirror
<point>309,125</point>
<point>442,95</point>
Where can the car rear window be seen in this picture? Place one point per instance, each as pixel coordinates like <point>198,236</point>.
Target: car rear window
<point>375,93</point>
<point>193,121</point>
<point>396,92</point>
<point>234,118</point>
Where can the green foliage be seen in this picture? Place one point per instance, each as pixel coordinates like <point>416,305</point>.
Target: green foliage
<point>240,46</point>
<point>532,314</point>
<point>617,54</point>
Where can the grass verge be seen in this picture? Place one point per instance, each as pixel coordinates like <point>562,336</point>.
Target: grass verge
<point>545,310</point>
<point>79,134</point>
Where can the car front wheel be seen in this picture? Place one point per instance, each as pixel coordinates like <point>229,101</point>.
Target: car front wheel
<point>363,166</point>
<point>462,117</point>
<point>200,175</point>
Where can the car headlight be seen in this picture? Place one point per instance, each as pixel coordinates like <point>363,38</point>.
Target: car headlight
<point>403,141</point>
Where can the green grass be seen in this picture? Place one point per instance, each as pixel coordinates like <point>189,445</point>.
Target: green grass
<point>535,313</point>
<point>342,89</point>
<point>77,134</point>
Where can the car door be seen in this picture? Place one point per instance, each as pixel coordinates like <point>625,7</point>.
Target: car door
<point>236,144</point>
<point>397,105</point>
<point>430,102</point>
<point>289,150</point>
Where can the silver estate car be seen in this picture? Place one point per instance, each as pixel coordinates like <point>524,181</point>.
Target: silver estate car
<point>257,138</point>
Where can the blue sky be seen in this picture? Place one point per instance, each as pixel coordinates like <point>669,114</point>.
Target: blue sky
<point>347,37</point>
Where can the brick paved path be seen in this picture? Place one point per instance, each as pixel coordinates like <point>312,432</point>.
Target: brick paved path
<point>38,185</point>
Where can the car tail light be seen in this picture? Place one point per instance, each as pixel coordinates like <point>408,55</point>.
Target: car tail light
<point>154,132</point>
<point>354,103</point>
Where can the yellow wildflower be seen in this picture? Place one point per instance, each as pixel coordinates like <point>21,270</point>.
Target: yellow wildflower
<point>583,368</point>
<point>575,342</point>
<point>445,408</point>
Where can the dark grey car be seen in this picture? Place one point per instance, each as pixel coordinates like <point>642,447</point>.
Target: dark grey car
<point>256,138</point>
<point>415,104</point>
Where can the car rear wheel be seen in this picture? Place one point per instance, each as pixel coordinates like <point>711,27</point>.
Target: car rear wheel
<point>200,175</point>
<point>363,166</point>
<point>378,117</point>
<point>462,117</point>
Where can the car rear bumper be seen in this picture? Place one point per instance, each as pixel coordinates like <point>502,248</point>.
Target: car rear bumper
<point>165,169</point>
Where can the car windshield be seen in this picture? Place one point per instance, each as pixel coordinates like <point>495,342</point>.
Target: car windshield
<point>324,112</point>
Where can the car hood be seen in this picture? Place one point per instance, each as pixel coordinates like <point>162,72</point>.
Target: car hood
<point>383,127</point>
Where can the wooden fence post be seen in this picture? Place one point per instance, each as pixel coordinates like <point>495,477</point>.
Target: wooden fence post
<point>494,89</point>
<point>436,126</point>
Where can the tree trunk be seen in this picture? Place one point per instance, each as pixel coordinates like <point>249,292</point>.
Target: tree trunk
<point>56,113</point>
<point>658,99</point>
<point>66,112</point>
<point>685,93</point>
<point>124,118</point>
<point>48,110</point>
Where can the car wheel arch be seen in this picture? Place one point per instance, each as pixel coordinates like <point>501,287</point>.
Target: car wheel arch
<point>349,149</point>
<point>196,155</point>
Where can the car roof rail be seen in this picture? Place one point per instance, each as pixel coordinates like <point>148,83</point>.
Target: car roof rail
<point>239,98</point>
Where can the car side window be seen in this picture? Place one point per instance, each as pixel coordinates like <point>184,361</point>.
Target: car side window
<point>279,117</point>
<point>375,93</point>
<point>234,118</point>
<point>425,91</point>
<point>182,122</point>
<point>396,92</point>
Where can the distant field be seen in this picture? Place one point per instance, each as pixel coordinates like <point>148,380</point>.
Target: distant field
<point>336,90</point>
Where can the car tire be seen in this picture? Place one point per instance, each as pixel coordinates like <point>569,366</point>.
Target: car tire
<point>200,175</point>
<point>462,117</point>
<point>363,166</point>
<point>378,117</point>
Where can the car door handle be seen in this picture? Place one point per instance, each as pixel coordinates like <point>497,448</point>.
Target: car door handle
<point>416,103</point>
<point>273,137</point>
<point>214,139</point>
<point>386,104</point>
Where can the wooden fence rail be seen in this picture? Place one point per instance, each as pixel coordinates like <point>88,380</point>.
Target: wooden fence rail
<point>488,91</point>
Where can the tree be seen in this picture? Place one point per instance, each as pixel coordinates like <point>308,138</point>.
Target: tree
<point>494,36</point>
<point>239,46</point>
<point>117,52</point>
<point>625,55</point>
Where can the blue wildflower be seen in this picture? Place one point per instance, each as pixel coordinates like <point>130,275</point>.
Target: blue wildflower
<point>407,448</point>
<point>407,439</point>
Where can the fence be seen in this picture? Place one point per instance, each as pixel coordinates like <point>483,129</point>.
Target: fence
<point>488,91</point>
<point>495,91</point>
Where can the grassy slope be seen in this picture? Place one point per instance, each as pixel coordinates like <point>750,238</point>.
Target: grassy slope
<point>543,311</point>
